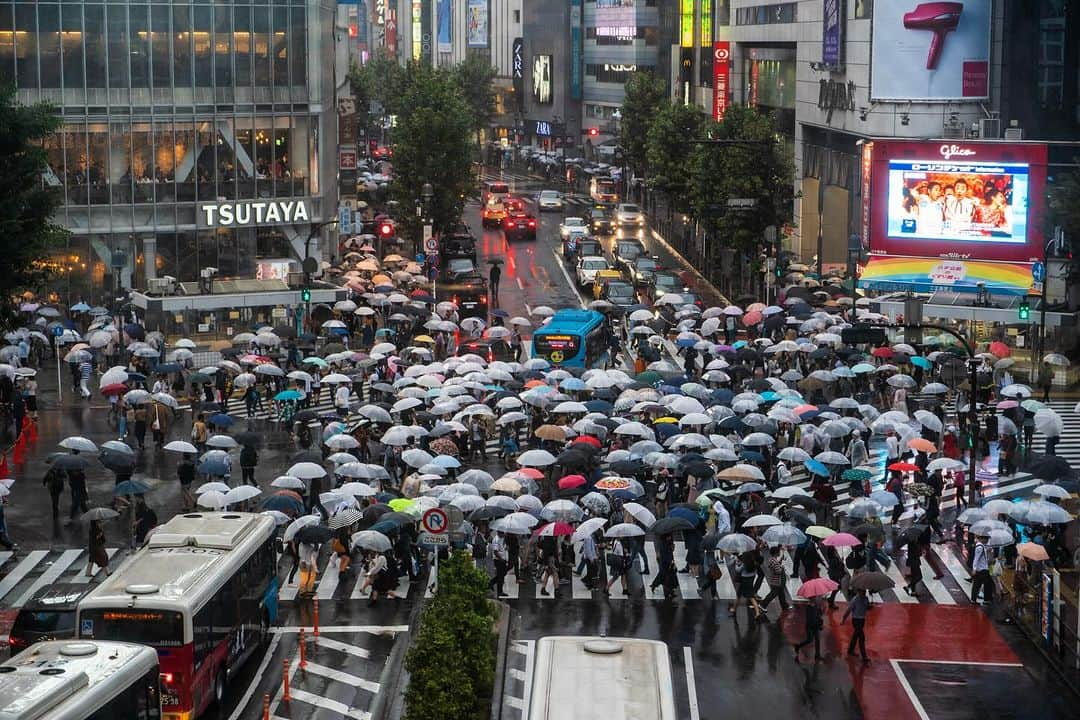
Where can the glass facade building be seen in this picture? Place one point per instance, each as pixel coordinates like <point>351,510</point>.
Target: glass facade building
<point>167,106</point>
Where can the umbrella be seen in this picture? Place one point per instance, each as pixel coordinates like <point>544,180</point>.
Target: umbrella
<point>819,531</point>
<point>344,518</point>
<point>816,587</point>
<point>314,534</point>
<point>371,540</point>
<point>761,521</point>
<point>99,513</point>
<point>78,443</point>
<point>785,534</point>
<point>306,471</point>
<point>213,500</point>
<point>181,446</point>
<point>1032,551</point>
<point>131,487</point>
<point>1041,512</point>
<point>624,530</point>
<point>871,582</point>
<point>63,461</point>
<point>555,529</point>
<point>669,525</point>
<point>563,510</point>
<point>1052,491</point>
<point>242,493</point>
<point>736,543</point>
<point>922,445</point>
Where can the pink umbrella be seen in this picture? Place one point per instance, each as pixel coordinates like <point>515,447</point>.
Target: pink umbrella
<point>817,587</point>
<point>841,540</point>
<point>1007,404</point>
<point>751,318</point>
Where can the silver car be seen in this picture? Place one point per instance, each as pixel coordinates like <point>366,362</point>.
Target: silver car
<point>629,215</point>
<point>549,200</point>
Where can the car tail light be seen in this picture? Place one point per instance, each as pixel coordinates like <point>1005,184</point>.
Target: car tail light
<point>454,300</point>
<point>532,223</point>
<point>483,299</point>
<point>491,356</point>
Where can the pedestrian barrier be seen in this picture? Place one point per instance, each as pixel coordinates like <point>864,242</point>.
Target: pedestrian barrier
<point>285,696</point>
<point>315,618</point>
<point>266,706</point>
<point>303,650</point>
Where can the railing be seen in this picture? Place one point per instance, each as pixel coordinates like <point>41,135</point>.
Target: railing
<point>1046,611</point>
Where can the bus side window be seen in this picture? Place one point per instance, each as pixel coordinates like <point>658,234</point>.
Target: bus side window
<point>225,609</point>
<point>201,628</point>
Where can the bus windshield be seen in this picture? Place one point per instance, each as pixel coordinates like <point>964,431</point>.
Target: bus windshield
<point>158,628</point>
<point>556,346</point>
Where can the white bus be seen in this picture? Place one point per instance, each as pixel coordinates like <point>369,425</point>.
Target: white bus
<point>203,592</point>
<point>78,680</point>
<point>585,678</point>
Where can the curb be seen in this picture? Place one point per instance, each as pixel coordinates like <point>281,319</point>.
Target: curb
<point>502,625</point>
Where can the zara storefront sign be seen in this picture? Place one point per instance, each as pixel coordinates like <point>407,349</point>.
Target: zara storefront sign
<point>254,212</point>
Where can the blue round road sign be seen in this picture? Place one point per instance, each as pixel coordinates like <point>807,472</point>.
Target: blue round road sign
<point>1038,272</point>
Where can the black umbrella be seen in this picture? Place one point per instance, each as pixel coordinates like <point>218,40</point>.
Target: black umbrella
<point>628,467</point>
<point>871,582</point>
<point>117,462</point>
<point>572,458</point>
<point>912,533</point>
<point>249,438</point>
<point>699,470</point>
<point>67,462</point>
<point>376,511</point>
<point>314,534</point>
<point>1052,467</point>
<point>398,518</point>
<point>868,531</point>
<point>669,525</point>
<point>711,541</point>
<point>487,512</point>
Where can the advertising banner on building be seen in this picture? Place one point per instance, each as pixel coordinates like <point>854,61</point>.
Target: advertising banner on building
<point>968,200</point>
<point>927,274</point>
<point>720,64</point>
<point>476,30</point>
<point>391,30</point>
<point>541,79</point>
<point>517,70</point>
<point>832,33</point>
<point>445,25</point>
<point>930,50</point>
<point>577,49</point>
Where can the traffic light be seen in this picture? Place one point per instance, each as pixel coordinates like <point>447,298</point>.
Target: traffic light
<point>386,229</point>
<point>1024,310</point>
<point>594,131</point>
<point>305,295</point>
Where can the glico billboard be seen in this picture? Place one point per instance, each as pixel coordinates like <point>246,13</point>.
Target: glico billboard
<point>953,199</point>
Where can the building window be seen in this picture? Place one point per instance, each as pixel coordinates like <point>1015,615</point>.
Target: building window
<point>615,72</point>
<point>723,13</point>
<point>864,9</point>
<point>1051,69</point>
<point>767,14</point>
<point>517,17</point>
<point>609,35</point>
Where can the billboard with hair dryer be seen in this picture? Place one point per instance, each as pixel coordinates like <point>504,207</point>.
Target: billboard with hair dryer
<point>931,50</point>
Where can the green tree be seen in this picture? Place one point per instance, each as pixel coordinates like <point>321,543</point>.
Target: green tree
<point>667,148</point>
<point>432,145</point>
<point>380,79</point>
<point>755,167</point>
<point>475,76</point>
<point>26,227</point>
<point>644,96</point>
<point>451,662</point>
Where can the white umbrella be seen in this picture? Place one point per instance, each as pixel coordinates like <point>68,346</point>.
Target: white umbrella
<point>928,420</point>
<point>215,486</point>
<point>296,525</point>
<point>1052,491</point>
<point>342,441</point>
<point>737,543</point>
<point>1048,422</point>
<point>624,530</point>
<point>535,458</point>
<point>415,457</point>
<point>79,443</point>
<point>222,442</point>
<point>357,489</point>
<point>1041,512</point>
<point>212,499</point>
<point>242,493</point>
<point>588,528</point>
<point>518,523</point>
<point>762,521</point>
<point>112,376</point>
<point>306,471</point>
<point>288,482</point>
<point>640,513</point>
<point>784,534</point>
<point>371,540</point>
<point>181,446</point>
<point>561,510</point>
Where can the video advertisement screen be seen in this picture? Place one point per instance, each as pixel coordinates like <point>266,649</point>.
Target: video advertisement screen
<point>958,202</point>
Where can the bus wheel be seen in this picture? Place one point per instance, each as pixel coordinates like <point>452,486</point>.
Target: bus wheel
<point>219,687</point>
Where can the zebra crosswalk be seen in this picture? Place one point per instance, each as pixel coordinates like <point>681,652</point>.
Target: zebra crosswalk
<point>23,575</point>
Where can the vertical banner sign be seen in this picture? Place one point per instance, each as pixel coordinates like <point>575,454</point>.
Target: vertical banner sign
<point>445,33</point>
<point>867,173</point>
<point>832,33</point>
<point>517,71</point>
<point>1046,609</point>
<point>476,21</point>
<point>417,10</point>
<point>721,57</point>
<point>427,35</point>
<point>391,30</point>
<point>686,23</point>
<point>576,49</point>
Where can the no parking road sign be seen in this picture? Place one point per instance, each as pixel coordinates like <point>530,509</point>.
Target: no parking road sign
<point>436,521</point>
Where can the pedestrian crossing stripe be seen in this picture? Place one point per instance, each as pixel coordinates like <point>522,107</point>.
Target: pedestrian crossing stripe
<point>23,575</point>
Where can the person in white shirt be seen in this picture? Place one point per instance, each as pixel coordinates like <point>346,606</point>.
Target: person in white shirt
<point>501,558</point>
<point>341,399</point>
<point>980,566</point>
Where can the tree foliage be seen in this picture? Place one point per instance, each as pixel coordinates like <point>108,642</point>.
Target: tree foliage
<point>760,170</point>
<point>475,76</point>
<point>667,150</point>
<point>451,662</point>
<point>644,96</point>
<point>380,79</point>
<point>26,228</point>
<point>431,140</point>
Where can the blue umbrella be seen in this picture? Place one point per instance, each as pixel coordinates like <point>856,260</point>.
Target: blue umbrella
<point>500,313</point>
<point>753,456</point>
<point>722,396</point>
<point>670,390</point>
<point>135,331</point>
<point>221,420</point>
<point>686,514</point>
<point>665,430</point>
<point>600,406</point>
<point>573,383</point>
<point>816,467</point>
<point>136,377</point>
<point>769,396</point>
<point>921,362</point>
<point>283,503</point>
<point>685,342</point>
<point>169,367</point>
<point>79,307</point>
<point>131,487</point>
<point>288,395</point>
<point>385,527</point>
<point>214,462</point>
<point>624,495</point>
<point>339,331</point>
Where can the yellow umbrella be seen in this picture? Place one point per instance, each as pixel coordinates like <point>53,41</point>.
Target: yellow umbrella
<point>381,279</point>
<point>423,339</point>
<point>401,504</point>
<point>665,420</point>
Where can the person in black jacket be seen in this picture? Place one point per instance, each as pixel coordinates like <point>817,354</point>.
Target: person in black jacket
<point>814,623</point>
<point>54,482</point>
<point>249,458</point>
<point>185,473</point>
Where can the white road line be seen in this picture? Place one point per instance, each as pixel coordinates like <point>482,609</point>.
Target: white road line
<point>569,281</point>
<point>82,578</point>
<point>521,286</point>
<point>955,567</point>
<point>898,577</point>
<point>356,593</point>
<point>517,674</point>
<point>937,589</point>
<point>5,556</point>
<point>50,576</point>
<point>342,677</point>
<point>331,578</point>
<point>354,650</point>
<point>688,587</point>
<point>256,678</point>
<point>691,686</point>
<point>578,589</point>
<point>294,664</point>
<point>530,652</point>
<point>371,629</point>
<point>21,570</point>
<point>327,704</point>
<point>907,688</point>
<point>516,703</point>
<point>958,662</point>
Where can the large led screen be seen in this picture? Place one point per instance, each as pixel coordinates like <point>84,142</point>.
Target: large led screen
<point>958,202</point>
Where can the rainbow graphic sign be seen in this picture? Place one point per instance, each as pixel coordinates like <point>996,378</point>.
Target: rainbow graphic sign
<point>923,274</point>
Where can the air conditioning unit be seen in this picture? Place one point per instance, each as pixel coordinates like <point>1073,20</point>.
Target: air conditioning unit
<point>1014,133</point>
<point>295,280</point>
<point>990,128</point>
<point>161,286</point>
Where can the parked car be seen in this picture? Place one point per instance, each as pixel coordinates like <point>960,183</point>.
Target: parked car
<point>519,226</point>
<point>629,215</point>
<point>48,615</point>
<point>549,200</point>
<point>573,226</point>
<point>587,268</point>
<point>642,270</point>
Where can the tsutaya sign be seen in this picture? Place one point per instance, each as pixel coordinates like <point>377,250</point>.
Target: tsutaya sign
<point>254,212</point>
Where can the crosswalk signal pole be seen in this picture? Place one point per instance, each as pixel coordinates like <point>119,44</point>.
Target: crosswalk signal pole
<point>973,428</point>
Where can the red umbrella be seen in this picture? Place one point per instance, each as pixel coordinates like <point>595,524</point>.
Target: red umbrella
<point>531,473</point>
<point>817,587</point>
<point>752,317</point>
<point>587,440</point>
<point>571,481</point>
<point>904,467</point>
<point>554,529</point>
<point>1000,349</point>
<point>114,389</point>
<point>883,352</point>
<point>802,409</point>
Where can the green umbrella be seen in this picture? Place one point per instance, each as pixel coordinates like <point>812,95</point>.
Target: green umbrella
<point>856,474</point>
<point>649,377</point>
<point>198,378</point>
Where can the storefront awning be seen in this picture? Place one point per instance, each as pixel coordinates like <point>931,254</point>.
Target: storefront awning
<point>925,274</point>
